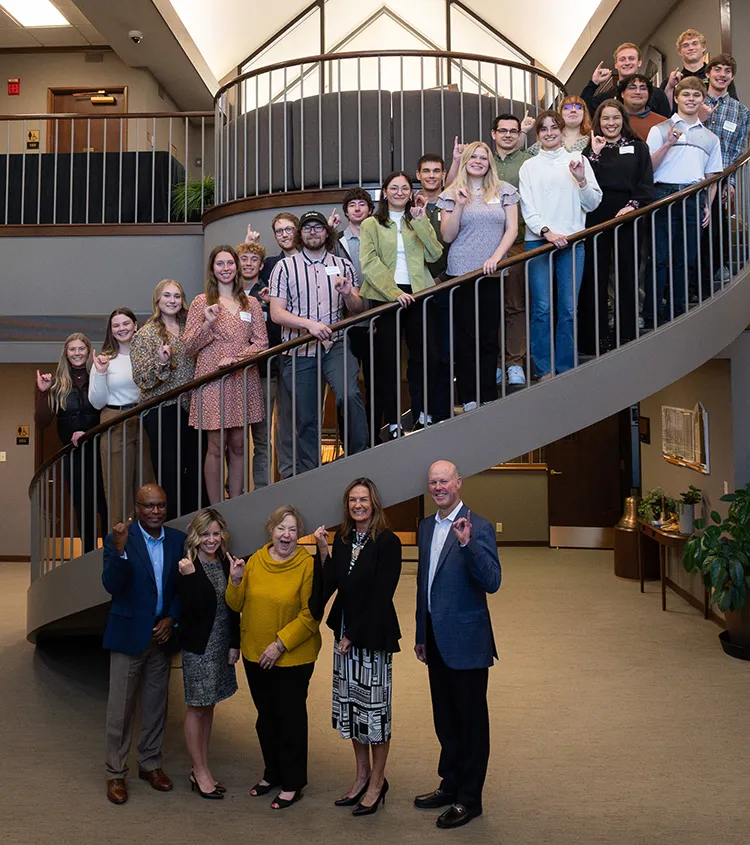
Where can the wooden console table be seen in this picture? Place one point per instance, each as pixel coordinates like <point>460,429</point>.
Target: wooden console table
<point>668,540</point>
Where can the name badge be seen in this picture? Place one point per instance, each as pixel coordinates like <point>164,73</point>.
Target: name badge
<point>494,201</point>
<point>625,150</point>
<point>246,317</point>
<point>729,126</point>
<point>332,271</point>
<point>265,316</point>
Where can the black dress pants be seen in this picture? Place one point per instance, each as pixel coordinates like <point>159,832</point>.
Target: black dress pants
<point>178,470</point>
<point>462,725</point>
<point>465,340</point>
<point>82,470</point>
<point>280,697</point>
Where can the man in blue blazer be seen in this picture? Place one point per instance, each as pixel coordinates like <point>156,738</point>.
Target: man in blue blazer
<point>140,572</point>
<point>458,566</point>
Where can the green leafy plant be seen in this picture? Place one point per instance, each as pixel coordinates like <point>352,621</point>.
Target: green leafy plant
<point>649,508</point>
<point>196,196</point>
<point>692,496</point>
<point>721,552</point>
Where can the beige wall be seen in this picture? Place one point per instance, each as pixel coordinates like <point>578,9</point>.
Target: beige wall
<point>702,15</point>
<point>17,389</point>
<point>517,498</point>
<point>710,384</point>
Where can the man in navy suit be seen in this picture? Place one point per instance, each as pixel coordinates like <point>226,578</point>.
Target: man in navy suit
<point>458,566</point>
<point>140,572</point>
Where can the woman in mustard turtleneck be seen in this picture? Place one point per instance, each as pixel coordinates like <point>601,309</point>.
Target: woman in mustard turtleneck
<point>280,641</point>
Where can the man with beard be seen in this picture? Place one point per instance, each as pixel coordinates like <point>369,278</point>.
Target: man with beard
<point>310,291</point>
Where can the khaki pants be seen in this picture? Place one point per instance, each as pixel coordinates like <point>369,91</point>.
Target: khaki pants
<point>118,473</point>
<point>147,673</point>
<point>515,312</point>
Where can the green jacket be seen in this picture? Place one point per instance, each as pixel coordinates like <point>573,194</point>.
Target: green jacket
<point>377,256</point>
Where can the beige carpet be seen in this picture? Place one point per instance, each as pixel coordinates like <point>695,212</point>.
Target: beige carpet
<point>612,723</point>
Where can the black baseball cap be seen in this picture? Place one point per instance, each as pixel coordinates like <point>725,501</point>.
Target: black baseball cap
<point>312,217</point>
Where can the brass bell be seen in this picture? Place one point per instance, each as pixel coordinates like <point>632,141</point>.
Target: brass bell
<point>629,521</point>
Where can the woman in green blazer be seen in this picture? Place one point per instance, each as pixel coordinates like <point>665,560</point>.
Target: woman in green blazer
<point>396,244</point>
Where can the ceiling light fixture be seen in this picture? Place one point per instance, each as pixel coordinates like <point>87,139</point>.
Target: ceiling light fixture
<point>34,12</point>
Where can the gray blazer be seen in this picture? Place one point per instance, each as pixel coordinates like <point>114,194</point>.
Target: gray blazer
<point>460,616</point>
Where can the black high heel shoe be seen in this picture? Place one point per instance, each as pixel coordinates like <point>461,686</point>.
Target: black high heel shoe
<point>354,799</point>
<point>369,809</point>
<point>194,785</point>
<point>283,803</point>
<point>217,786</point>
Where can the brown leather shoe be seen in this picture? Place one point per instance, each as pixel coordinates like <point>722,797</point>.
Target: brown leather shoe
<point>157,778</point>
<point>117,792</point>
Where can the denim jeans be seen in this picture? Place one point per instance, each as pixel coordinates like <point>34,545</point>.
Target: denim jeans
<point>565,306</point>
<point>666,235</point>
<point>332,373</point>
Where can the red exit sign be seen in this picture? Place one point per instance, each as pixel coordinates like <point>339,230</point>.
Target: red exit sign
<point>14,87</point>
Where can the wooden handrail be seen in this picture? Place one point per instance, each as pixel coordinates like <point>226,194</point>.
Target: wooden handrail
<point>387,307</point>
<point>374,54</point>
<point>124,116</point>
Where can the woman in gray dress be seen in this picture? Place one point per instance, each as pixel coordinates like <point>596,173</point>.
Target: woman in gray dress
<point>210,638</point>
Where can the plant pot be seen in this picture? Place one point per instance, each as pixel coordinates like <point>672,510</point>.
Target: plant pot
<point>738,626</point>
<point>687,519</point>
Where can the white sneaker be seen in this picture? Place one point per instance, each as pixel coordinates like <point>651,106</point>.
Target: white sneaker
<point>723,274</point>
<point>498,376</point>
<point>470,406</point>
<point>516,375</point>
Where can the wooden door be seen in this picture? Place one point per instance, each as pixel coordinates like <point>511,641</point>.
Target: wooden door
<point>585,487</point>
<point>87,135</point>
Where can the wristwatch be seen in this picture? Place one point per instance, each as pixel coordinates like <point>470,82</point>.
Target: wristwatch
<point>543,231</point>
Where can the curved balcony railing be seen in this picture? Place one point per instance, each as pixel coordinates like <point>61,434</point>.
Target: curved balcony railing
<point>723,250</point>
<point>331,121</point>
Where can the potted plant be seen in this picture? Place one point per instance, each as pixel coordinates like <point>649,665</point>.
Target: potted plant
<point>692,497</point>
<point>195,195</point>
<point>721,553</point>
<point>650,506</point>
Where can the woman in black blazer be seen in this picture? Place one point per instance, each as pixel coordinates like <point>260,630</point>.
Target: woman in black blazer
<point>210,639</point>
<point>363,570</point>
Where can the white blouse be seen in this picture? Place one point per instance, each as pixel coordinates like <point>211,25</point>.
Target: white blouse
<point>401,273</point>
<point>116,386</point>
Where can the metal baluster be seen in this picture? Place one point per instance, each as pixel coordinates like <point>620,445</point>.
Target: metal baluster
<point>270,134</point>
<point>698,238</point>
<point>153,164</point>
<point>257,137</point>
<point>359,119</point>
<point>72,502</point>
<point>124,466</point>
<point>671,274</point>
<point>685,267</point>
<point>380,127</point>
<point>222,456</point>
<point>421,100</point>
<point>597,327</point>
<point>574,294</point>
<point>479,99</point>
<point>338,64</point>
<point>371,363</point>
<point>461,96</point>
<point>104,171</point>
<point>137,164</point>
<point>200,446</point>
<point>203,162</point>
<point>245,431</point>
<point>294,412</point>
<point>617,287</point>
<point>178,440</point>
<point>442,112</point>
<point>269,423</point>
<point>88,165</point>
<point>54,513</point>
<point>636,265</point>
<point>23,174</point>
<point>7,169</point>
<point>425,385</point>
<point>452,351</point>
<point>38,182</point>
<point>503,369</point>
<point>551,312</point>
<point>476,340</point>
<point>160,429</point>
<point>655,312</point>
<point>320,125</point>
<point>399,311</point>
<point>236,121</point>
<point>119,183</point>
<point>319,352</point>
<point>72,165</point>
<point>187,164</point>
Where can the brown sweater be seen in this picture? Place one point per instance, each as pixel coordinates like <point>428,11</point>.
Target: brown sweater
<point>642,125</point>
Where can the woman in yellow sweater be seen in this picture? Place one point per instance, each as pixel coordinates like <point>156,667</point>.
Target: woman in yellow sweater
<point>280,641</point>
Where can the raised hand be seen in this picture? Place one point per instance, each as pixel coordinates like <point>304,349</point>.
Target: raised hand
<point>252,237</point>
<point>598,142</point>
<point>101,362</point>
<point>600,74</point>
<point>578,169</point>
<point>211,313</point>
<point>405,299</point>
<point>265,295</point>
<point>418,206</point>
<point>321,540</point>
<point>673,136</point>
<point>43,381</point>
<point>705,112</point>
<point>462,197</point>
<point>462,528</point>
<point>528,123</point>
<point>334,221</point>
<point>186,566</point>
<point>236,569</point>
<point>165,353</point>
<point>674,78</point>
<point>457,149</point>
<point>120,536</point>
<point>342,285</point>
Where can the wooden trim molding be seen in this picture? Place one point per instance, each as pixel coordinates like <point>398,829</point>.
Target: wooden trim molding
<point>319,196</point>
<point>15,558</point>
<point>99,230</point>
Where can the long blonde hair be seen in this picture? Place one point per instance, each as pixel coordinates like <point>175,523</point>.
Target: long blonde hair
<point>156,318</point>
<point>200,525</point>
<point>62,383</point>
<point>491,184</point>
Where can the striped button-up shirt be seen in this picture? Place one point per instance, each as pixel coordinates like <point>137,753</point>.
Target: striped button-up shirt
<point>730,122</point>
<point>307,285</point>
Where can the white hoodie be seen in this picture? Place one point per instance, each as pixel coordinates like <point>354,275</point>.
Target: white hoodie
<point>550,195</point>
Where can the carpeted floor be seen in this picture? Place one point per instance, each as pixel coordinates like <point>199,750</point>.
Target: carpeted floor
<point>612,723</point>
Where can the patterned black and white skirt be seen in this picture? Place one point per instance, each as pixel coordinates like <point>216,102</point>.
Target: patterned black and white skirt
<point>362,691</point>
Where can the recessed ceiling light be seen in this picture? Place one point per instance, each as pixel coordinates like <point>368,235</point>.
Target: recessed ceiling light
<point>34,12</point>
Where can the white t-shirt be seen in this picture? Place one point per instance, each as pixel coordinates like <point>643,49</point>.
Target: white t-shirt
<point>401,273</point>
<point>116,386</point>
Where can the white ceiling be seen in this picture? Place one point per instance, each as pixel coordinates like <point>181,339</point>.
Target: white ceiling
<point>80,33</point>
<point>227,31</point>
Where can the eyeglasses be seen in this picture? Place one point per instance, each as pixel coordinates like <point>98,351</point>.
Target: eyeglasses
<point>287,230</point>
<point>637,88</point>
<point>506,132</point>
<point>572,107</point>
<point>313,228</point>
<point>152,506</point>
<point>396,189</point>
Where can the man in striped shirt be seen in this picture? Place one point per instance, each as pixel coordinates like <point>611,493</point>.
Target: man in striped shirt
<point>310,291</point>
